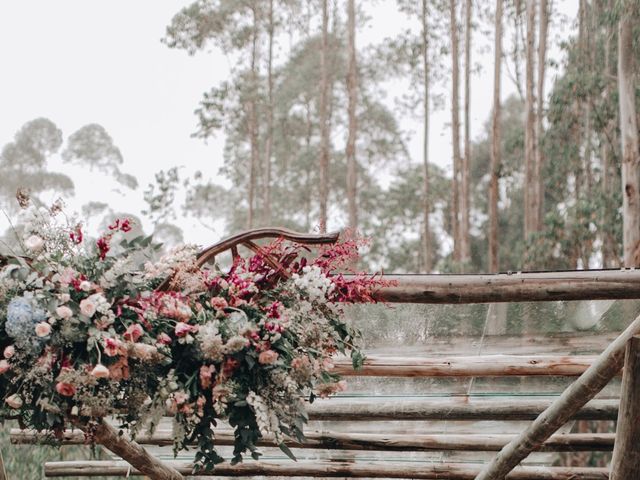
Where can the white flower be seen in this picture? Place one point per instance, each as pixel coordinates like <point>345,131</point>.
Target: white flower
<point>64,312</point>
<point>64,297</point>
<point>85,286</point>
<point>34,243</point>
<point>43,329</point>
<point>87,307</point>
<point>14,401</point>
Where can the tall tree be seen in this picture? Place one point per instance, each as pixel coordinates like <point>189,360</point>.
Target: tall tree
<point>465,241</point>
<point>426,204</point>
<point>269,143</point>
<point>455,129</point>
<point>531,208</point>
<point>352,93</point>
<point>253,118</point>
<point>324,118</point>
<point>543,24</point>
<point>629,133</point>
<point>495,143</point>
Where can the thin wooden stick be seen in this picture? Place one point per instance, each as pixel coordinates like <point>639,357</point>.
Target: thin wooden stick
<point>426,471</point>
<point>473,366</point>
<point>572,399</point>
<point>625,463</point>
<point>514,287</point>
<point>566,442</point>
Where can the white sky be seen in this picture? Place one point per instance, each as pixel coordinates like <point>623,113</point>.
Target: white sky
<point>101,61</point>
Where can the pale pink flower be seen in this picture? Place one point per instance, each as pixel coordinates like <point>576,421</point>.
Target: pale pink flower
<point>4,366</point>
<point>87,307</point>
<point>206,372</point>
<point>268,357</point>
<point>64,312</point>
<point>164,339</point>
<point>143,351</point>
<point>85,286</point>
<point>34,243</point>
<point>180,397</point>
<point>133,332</point>
<point>112,346</point>
<point>183,329</point>
<point>219,303</point>
<point>14,401</point>
<point>100,371</point>
<point>9,351</point>
<point>43,329</point>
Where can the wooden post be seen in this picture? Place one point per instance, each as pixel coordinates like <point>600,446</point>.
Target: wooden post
<point>572,399</point>
<point>625,463</point>
<point>133,453</point>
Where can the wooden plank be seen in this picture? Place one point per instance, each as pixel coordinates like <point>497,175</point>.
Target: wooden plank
<point>425,471</point>
<point>452,408</point>
<point>513,287</point>
<point>472,366</point>
<point>366,441</point>
<point>572,400</point>
<point>625,463</point>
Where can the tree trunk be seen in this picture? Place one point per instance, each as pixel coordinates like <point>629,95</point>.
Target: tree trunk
<point>426,205</point>
<point>352,86</point>
<point>324,118</point>
<point>455,131</point>
<point>495,144</point>
<point>253,123</point>
<point>629,135</point>
<point>542,64</point>
<point>531,182</point>
<point>465,241</point>
<point>269,146</point>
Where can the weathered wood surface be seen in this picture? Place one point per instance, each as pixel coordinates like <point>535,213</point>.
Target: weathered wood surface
<point>137,456</point>
<point>625,463</point>
<point>472,366</point>
<point>427,471</point>
<point>453,408</point>
<point>513,287</point>
<point>572,400</point>
<point>367,441</point>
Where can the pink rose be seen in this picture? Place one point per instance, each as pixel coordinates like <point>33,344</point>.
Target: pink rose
<point>64,312</point>
<point>4,366</point>
<point>112,346</point>
<point>100,371</point>
<point>219,303</point>
<point>14,401</point>
<point>268,357</point>
<point>183,329</point>
<point>9,351</point>
<point>65,389</point>
<point>133,333</point>
<point>164,339</point>
<point>43,329</point>
<point>87,307</point>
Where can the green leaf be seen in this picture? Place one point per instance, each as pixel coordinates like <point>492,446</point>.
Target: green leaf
<point>287,451</point>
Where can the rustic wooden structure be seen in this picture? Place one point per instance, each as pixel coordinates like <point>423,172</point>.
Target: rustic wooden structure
<point>547,415</point>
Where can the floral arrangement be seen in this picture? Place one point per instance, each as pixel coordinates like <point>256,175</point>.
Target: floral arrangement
<point>86,333</point>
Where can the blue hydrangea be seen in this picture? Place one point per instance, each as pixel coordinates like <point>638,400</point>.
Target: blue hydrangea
<point>22,318</point>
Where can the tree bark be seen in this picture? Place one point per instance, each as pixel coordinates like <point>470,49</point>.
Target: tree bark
<point>495,144</point>
<point>530,187</point>
<point>269,145</point>
<point>426,204</point>
<point>625,463</point>
<point>352,92</point>
<point>455,130</point>
<point>253,122</point>
<point>465,241</point>
<point>542,64</point>
<point>629,136</point>
<point>324,118</point>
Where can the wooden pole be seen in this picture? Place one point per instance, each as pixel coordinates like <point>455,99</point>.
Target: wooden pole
<point>427,471</point>
<point>625,463</point>
<point>133,453</point>
<point>566,442</point>
<point>572,399</point>
<point>473,366</point>
<point>513,287</point>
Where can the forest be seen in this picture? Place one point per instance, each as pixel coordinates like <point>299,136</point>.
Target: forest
<point>314,138</point>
